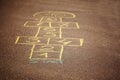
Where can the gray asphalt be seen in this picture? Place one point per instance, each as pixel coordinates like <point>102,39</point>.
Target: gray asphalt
<point>97,59</point>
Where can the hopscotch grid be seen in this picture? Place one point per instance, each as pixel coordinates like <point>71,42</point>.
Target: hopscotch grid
<point>53,17</point>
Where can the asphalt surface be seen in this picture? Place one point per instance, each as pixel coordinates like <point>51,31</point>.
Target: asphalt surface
<point>97,59</point>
